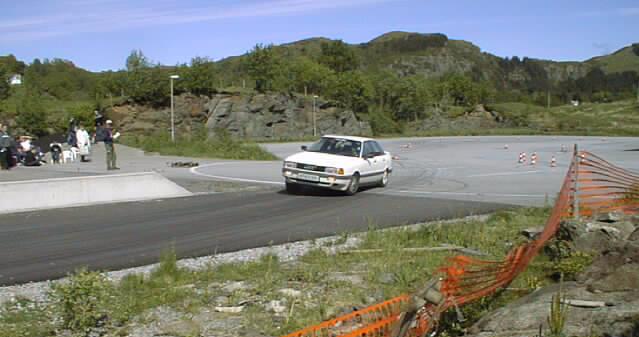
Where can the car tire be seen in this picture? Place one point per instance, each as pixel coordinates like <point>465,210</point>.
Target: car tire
<point>384,181</point>
<point>292,188</point>
<point>353,187</point>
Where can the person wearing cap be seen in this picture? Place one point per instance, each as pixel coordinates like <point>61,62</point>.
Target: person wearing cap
<point>108,139</point>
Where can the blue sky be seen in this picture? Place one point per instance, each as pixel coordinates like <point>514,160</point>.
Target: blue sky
<point>100,34</point>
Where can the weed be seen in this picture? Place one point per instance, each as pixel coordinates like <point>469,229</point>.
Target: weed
<point>82,300</point>
<point>557,317</point>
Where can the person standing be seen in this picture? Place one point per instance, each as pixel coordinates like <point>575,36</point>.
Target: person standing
<point>84,143</point>
<point>5,148</point>
<point>108,138</point>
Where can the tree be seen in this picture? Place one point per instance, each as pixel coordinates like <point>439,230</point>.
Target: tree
<point>149,86</point>
<point>262,65</point>
<point>31,116</point>
<point>310,76</point>
<point>137,60</point>
<point>199,78</point>
<point>352,90</point>
<point>4,85</point>
<point>635,48</point>
<point>338,56</point>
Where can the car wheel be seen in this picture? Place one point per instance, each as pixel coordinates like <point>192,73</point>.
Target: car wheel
<point>292,188</point>
<point>353,187</point>
<point>384,181</point>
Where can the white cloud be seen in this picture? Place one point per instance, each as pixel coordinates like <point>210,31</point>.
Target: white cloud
<point>111,15</point>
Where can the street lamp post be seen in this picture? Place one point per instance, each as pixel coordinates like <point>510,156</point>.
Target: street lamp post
<point>172,77</point>
<point>314,118</point>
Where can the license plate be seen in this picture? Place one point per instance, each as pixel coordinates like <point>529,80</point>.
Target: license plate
<point>309,177</point>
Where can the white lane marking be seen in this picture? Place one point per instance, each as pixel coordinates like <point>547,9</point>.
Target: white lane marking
<point>501,174</point>
<point>194,170</point>
<point>472,194</point>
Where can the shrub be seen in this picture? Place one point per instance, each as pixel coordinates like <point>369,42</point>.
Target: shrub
<point>82,300</point>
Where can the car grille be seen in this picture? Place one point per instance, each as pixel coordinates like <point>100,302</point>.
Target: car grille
<point>309,167</point>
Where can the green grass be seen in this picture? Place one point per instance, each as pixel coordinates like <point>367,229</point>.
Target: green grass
<point>322,278</point>
<point>222,147</point>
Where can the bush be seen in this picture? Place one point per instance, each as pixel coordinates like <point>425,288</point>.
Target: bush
<point>383,123</point>
<point>82,301</point>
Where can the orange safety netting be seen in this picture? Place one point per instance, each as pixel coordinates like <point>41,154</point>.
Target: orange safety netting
<point>592,185</point>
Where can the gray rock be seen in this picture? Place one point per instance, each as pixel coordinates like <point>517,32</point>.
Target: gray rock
<point>276,306</point>
<point>290,292</point>
<point>609,217</point>
<point>634,236</point>
<point>386,278</point>
<point>532,233</point>
<point>235,286</point>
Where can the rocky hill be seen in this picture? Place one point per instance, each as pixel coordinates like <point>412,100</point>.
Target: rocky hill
<point>255,116</point>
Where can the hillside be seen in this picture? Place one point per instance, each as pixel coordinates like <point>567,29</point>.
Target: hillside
<point>389,81</point>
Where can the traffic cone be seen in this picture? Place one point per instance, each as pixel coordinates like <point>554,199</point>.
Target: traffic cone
<point>553,162</point>
<point>533,158</point>
<point>522,158</point>
<point>506,147</point>
<point>563,148</point>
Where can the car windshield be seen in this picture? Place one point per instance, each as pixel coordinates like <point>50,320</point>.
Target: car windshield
<point>337,146</point>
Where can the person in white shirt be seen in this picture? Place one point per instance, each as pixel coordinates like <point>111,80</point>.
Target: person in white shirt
<point>84,143</point>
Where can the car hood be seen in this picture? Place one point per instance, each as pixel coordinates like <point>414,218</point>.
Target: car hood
<point>324,159</point>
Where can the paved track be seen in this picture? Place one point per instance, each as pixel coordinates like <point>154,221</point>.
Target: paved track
<point>48,244</point>
<point>435,178</point>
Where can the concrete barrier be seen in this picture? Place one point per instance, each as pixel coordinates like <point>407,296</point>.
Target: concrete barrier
<point>18,196</point>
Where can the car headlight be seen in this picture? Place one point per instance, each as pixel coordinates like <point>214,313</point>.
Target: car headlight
<point>290,164</point>
<point>333,170</point>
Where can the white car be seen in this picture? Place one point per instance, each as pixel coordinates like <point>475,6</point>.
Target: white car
<point>340,163</point>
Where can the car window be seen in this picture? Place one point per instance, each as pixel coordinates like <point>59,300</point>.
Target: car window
<point>368,148</point>
<point>338,146</point>
<point>378,148</point>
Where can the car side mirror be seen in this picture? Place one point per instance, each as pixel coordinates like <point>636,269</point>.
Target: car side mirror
<point>304,148</point>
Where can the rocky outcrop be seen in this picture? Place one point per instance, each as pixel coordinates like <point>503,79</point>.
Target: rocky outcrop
<point>613,278</point>
<point>256,116</point>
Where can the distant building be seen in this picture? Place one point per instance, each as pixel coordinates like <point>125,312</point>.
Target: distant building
<point>15,79</point>
<point>574,102</point>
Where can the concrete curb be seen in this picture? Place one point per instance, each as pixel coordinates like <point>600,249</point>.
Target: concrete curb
<point>29,195</point>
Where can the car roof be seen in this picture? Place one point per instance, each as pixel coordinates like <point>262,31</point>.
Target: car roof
<point>357,139</point>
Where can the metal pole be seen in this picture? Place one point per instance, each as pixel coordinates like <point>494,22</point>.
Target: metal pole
<point>314,122</point>
<point>172,123</point>
<point>575,205</point>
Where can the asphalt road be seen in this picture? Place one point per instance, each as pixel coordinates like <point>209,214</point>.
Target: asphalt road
<point>434,178</point>
<point>48,244</point>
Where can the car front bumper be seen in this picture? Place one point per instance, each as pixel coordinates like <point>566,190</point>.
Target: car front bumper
<point>324,180</point>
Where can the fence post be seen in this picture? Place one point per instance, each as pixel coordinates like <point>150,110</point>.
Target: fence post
<point>575,200</point>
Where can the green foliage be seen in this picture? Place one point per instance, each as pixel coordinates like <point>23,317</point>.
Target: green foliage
<point>82,300</point>
<point>263,66</point>
<point>4,85</point>
<point>149,86</point>
<point>60,79</point>
<point>352,90</point>
<point>382,123</point>
<point>137,61</point>
<point>25,318</point>
<point>168,267</point>
<point>557,317</point>
<point>570,265</point>
<point>221,146</point>
<point>310,76</point>
<point>31,115</point>
<point>199,78</point>
<point>338,56</point>
<point>635,48</point>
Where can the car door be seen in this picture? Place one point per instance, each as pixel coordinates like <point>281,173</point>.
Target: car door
<point>383,159</point>
<point>373,164</point>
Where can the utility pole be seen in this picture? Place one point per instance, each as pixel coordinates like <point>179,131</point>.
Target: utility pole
<point>314,118</point>
<point>172,77</point>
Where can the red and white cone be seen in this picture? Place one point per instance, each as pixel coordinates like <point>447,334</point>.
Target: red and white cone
<point>553,162</point>
<point>533,159</point>
<point>522,157</point>
<point>506,147</point>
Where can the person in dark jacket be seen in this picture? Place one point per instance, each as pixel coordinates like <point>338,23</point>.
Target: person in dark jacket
<point>108,138</point>
<point>6,145</point>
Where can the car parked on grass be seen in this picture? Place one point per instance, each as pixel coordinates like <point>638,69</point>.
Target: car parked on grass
<point>341,163</point>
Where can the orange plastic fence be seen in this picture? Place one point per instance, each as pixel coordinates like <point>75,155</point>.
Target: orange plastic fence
<point>592,185</point>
